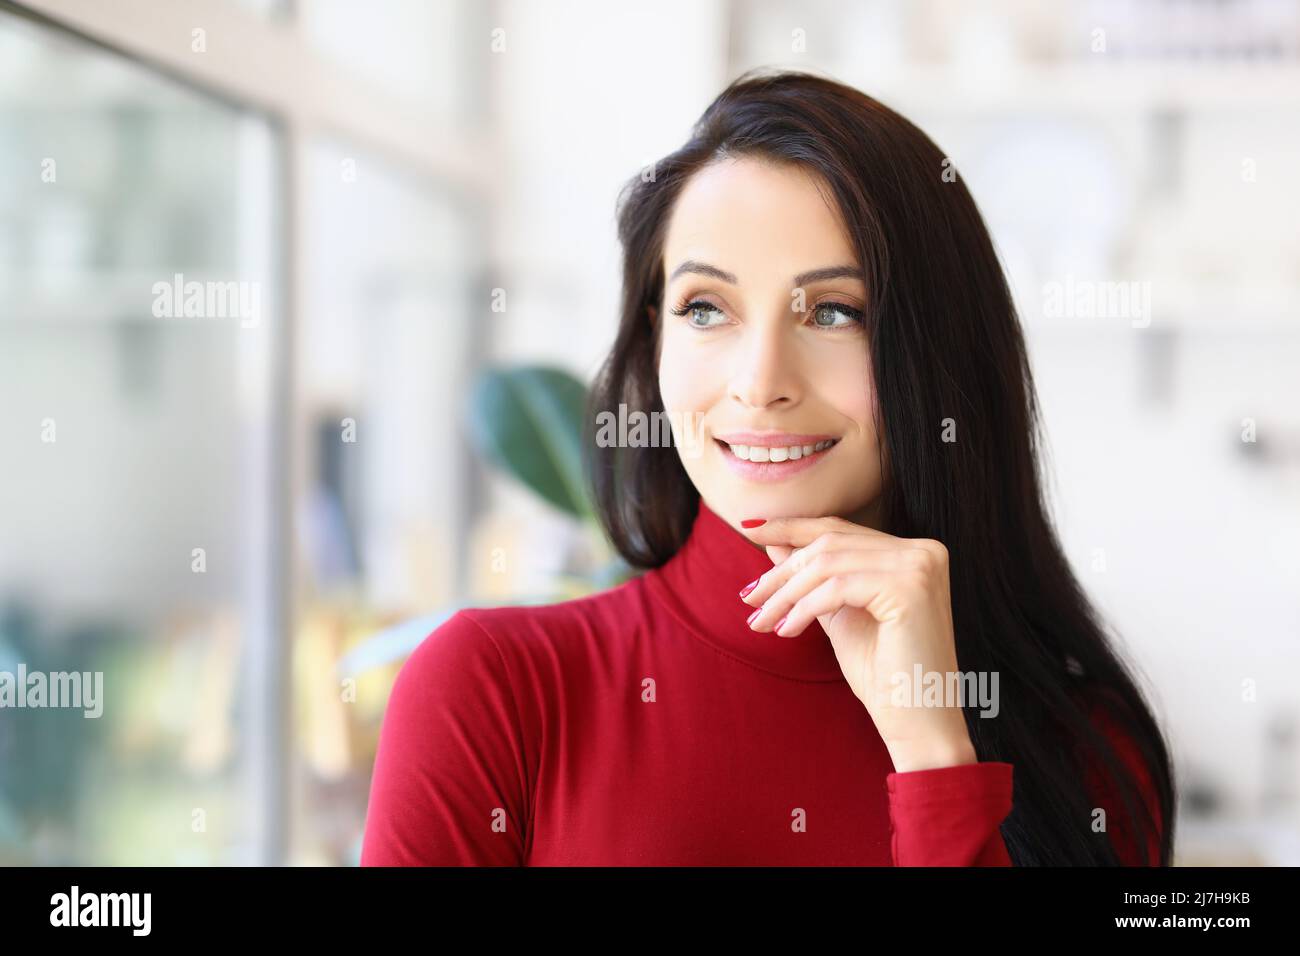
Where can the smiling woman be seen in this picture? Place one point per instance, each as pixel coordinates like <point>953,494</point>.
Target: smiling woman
<point>802,280</point>
<point>765,340</point>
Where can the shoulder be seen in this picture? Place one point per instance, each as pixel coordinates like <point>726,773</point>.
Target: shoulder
<point>1114,719</point>
<point>1110,714</point>
<point>517,627</point>
<point>451,665</point>
<point>495,643</point>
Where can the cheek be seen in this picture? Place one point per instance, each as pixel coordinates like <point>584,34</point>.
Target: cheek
<point>685,377</point>
<point>850,390</point>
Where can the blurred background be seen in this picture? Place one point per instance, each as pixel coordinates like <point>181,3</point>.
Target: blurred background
<point>245,513</point>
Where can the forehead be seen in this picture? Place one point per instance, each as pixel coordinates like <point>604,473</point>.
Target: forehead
<point>761,221</point>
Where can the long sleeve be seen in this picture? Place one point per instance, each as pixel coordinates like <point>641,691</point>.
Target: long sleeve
<point>950,816</point>
<point>448,786</point>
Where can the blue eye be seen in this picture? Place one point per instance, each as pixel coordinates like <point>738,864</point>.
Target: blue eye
<point>853,315</point>
<point>697,305</point>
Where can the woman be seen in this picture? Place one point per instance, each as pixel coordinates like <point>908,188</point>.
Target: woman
<point>857,640</point>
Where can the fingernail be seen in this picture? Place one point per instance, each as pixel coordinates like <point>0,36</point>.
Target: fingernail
<point>752,522</point>
<point>750,622</point>
<point>749,587</point>
<point>779,623</point>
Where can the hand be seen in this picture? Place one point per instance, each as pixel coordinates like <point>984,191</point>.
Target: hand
<point>884,603</point>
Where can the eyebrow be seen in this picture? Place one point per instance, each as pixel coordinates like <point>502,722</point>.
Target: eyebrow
<point>803,278</point>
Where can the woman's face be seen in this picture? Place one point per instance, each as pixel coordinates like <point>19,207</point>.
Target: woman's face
<point>769,359</point>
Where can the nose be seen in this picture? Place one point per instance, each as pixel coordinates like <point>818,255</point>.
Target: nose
<point>765,372</point>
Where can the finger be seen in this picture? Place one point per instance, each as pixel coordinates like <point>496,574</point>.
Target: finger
<point>799,532</point>
<point>859,589</point>
<point>798,558</point>
<point>894,581</point>
<point>884,564</point>
<point>819,568</point>
<point>778,553</point>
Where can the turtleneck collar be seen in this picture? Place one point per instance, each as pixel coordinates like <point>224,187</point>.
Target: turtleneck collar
<point>700,586</point>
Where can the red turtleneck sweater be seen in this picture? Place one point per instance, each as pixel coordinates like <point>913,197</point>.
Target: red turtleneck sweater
<point>648,725</point>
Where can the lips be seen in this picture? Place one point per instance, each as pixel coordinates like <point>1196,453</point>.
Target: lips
<point>778,458</point>
<point>778,450</point>
<point>772,438</point>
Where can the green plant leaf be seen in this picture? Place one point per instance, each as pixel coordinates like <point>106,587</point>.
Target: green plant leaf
<point>528,420</point>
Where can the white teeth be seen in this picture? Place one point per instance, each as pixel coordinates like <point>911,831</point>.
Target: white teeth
<point>778,453</point>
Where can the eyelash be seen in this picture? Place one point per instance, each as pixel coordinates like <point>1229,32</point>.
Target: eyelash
<point>855,314</point>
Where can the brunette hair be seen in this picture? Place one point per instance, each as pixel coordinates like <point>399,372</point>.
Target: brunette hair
<point>945,342</point>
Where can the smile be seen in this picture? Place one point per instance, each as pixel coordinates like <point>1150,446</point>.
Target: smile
<point>779,453</point>
<point>774,462</point>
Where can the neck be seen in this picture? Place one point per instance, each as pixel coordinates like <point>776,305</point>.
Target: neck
<point>700,585</point>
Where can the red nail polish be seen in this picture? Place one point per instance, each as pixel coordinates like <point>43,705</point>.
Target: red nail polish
<point>754,615</point>
<point>749,587</point>
<point>780,622</point>
<point>753,522</point>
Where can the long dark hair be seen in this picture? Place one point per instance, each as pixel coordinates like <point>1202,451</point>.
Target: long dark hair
<point>945,343</point>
